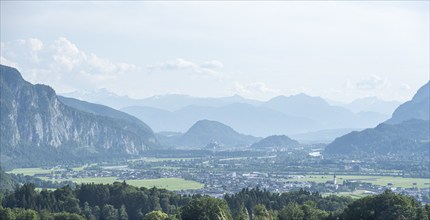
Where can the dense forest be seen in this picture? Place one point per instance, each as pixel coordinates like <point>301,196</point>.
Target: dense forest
<point>122,201</point>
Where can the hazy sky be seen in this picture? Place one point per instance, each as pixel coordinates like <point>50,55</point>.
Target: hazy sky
<point>337,50</point>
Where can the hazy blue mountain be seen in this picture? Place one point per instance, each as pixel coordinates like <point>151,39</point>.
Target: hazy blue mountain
<point>245,118</point>
<point>204,132</point>
<point>177,102</point>
<point>408,137</point>
<point>417,108</point>
<point>322,136</point>
<point>104,97</point>
<point>318,110</point>
<point>276,142</point>
<point>280,115</point>
<point>36,126</point>
<point>171,102</point>
<point>405,133</point>
<point>372,104</point>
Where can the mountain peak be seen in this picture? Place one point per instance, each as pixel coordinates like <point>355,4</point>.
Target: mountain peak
<point>423,92</point>
<point>276,141</point>
<point>417,108</point>
<point>208,125</point>
<point>206,131</point>
<point>300,98</point>
<point>10,74</point>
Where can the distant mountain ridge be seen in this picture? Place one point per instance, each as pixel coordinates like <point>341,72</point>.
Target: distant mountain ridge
<point>207,132</point>
<point>406,133</point>
<point>245,118</point>
<point>416,108</point>
<point>290,115</point>
<point>281,115</point>
<point>171,102</point>
<point>372,104</point>
<point>408,137</point>
<point>37,126</point>
<point>326,115</point>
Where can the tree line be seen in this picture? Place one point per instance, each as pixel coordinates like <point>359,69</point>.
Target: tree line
<point>120,201</point>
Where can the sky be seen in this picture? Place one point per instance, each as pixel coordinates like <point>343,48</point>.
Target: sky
<point>339,50</point>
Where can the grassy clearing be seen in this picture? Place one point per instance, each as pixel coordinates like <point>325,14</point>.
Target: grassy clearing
<point>376,180</point>
<point>38,170</point>
<point>357,194</point>
<point>166,168</point>
<point>233,158</point>
<point>161,159</point>
<point>165,183</point>
<point>29,171</point>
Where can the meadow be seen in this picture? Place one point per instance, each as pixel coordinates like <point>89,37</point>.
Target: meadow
<point>376,180</point>
<point>161,183</point>
<point>165,183</point>
<point>30,171</point>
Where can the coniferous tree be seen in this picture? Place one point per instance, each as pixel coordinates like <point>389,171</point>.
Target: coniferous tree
<point>108,212</point>
<point>122,213</point>
<point>291,212</point>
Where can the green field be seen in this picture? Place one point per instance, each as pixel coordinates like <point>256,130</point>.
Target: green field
<point>38,170</point>
<point>166,168</point>
<point>165,183</point>
<point>29,171</point>
<point>161,159</point>
<point>357,194</point>
<point>376,180</point>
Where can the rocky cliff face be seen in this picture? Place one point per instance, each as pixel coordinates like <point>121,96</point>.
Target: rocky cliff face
<point>35,123</point>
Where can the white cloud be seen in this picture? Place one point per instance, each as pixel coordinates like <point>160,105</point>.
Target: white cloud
<point>22,50</point>
<point>179,64</point>
<point>252,88</point>
<point>6,62</point>
<point>213,64</point>
<point>405,86</point>
<point>206,68</point>
<point>66,54</point>
<point>35,44</point>
<point>371,82</point>
<point>61,64</point>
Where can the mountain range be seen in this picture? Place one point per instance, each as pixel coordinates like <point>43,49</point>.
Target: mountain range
<point>174,102</point>
<point>407,132</point>
<point>372,104</point>
<point>38,126</point>
<point>171,102</point>
<point>245,118</point>
<point>281,115</point>
<point>297,114</point>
